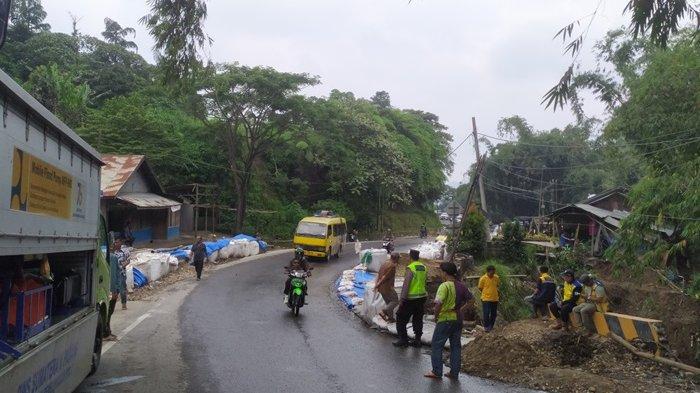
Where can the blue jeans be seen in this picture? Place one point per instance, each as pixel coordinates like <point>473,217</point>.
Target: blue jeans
<point>451,330</point>
<point>490,310</point>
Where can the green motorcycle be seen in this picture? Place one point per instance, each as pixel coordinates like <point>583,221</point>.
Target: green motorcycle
<point>297,289</point>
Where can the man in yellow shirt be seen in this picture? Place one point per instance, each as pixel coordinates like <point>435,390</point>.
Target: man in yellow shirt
<point>488,285</point>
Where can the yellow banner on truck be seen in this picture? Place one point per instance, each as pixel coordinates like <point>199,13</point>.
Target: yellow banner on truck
<point>39,187</point>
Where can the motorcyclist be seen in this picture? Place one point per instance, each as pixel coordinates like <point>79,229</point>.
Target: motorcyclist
<point>389,236</point>
<point>423,230</point>
<point>299,262</point>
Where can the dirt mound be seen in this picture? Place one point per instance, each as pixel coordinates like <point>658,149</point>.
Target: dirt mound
<point>529,353</point>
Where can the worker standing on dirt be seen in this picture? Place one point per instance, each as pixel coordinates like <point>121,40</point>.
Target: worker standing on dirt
<point>595,299</point>
<point>488,285</point>
<point>570,296</point>
<point>385,286</point>
<point>544,294</point>
<point>412,306</point>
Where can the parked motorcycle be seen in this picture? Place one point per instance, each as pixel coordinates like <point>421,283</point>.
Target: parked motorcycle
<point>297,291</point>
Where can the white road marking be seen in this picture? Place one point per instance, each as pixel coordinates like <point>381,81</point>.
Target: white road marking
<point>124,332</point>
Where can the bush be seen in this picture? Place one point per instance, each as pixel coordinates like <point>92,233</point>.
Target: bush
<point>513,248</point>
<point>472,238</point>
<point>511,305</point>
<point>409,222</point>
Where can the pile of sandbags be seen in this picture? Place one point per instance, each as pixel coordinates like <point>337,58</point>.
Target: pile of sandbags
<point>153,265</point>
<point>432,250</point>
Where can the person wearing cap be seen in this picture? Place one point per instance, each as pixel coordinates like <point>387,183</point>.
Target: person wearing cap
<point>570,296</point>
<point>488,285</point>
<point>413,296</point>
<point>451,300</point>
<point>385,286</point>
<point>594,299</point>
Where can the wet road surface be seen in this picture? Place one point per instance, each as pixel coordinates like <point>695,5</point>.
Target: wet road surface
<point>237,335</point>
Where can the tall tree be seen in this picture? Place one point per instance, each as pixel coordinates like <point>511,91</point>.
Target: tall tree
<point>116,34</point>
<point>255,108</point>
<point>176,26</point>
<point>26,18</point>
<point>662,121</point>
<point>59,92</point>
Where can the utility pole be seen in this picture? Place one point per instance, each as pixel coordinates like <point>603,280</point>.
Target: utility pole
<point>482,195</point>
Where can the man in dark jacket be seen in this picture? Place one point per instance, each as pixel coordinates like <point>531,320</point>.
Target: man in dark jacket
<point>570,296</point>
<point>199,254</point>
<point>544,294</point>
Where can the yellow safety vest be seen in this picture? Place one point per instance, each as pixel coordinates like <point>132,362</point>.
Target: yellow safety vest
<point>416,288</point>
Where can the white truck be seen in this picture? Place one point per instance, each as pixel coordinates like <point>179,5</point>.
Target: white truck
<point>54,279</point>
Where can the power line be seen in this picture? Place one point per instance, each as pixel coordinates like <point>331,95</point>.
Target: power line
<point>602,162</point>
<point>460,145</point>
<point>587,145</point>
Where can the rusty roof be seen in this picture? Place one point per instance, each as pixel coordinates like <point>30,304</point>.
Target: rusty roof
<point>119,168</point>
<point>147,200</point>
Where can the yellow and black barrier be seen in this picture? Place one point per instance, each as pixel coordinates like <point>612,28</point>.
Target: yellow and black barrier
<point>629,327</point>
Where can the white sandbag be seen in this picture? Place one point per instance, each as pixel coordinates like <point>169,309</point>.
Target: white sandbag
<point>130,278</point>
<point>236,249</point>
<point>373,258</point>
<point>213,257</point>
<point>254,248</point>
<point>225,252</point>
<point>372,305</point>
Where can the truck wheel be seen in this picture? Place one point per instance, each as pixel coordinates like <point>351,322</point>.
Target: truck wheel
<point>97,349</point>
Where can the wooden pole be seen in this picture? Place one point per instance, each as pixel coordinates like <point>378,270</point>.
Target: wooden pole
<point>659,359</point>
<point>481,161</point>
<point>482,194</point>
<point>196,208</point>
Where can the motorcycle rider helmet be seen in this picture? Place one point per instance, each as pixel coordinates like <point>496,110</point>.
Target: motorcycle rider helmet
<point>299,252</point>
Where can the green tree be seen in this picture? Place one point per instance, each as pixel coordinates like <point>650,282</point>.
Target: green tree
<point>255,109</point>
<point>116,34</point>
<point>27,18</point>
<point>513,248</point>
<point>59,93</point>
<point>662,121</point>
<point>472,237</point>
<point>176,26</point>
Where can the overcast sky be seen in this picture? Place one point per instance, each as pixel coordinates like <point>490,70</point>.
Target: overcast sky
<point>455,58</point>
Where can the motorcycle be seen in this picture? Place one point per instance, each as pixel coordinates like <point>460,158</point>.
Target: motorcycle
<point>423,233</point>
<point>388,245</point>
<point>297,290</point>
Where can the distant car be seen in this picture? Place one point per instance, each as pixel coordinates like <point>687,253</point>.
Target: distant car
<point>459,218</point>
<point>444,216</point>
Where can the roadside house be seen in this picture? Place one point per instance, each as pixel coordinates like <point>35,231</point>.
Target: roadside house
<point>594,220</point>
<point>132,195</point>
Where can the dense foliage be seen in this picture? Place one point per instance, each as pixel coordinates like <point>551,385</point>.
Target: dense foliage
<point>472,236</point>
<point>513,247</point>
<point>271,153</point>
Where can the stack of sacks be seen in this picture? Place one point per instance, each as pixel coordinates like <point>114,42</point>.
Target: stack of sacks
<point>433,250</point>
<point>153,265</point>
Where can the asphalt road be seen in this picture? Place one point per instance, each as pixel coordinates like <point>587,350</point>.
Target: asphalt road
<point>230,332</point>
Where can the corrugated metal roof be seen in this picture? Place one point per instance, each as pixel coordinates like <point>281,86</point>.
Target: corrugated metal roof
<point>116,172</point>
<point>146,200</point>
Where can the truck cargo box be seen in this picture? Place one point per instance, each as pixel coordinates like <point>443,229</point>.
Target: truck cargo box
<point>49,179</point>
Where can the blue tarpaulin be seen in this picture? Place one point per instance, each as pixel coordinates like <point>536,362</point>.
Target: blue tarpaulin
<point>139,278</point>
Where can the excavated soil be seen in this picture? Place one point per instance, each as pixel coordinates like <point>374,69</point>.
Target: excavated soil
<point>531,354</point>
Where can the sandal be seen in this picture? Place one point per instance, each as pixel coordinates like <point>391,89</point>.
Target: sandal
<point>432,375</point>
<point>111,337</point>
<point>450,376</point>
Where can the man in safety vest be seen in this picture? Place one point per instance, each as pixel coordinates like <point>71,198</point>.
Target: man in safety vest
<point>413,297</point>
<point>570,298</point>
<point>595,299</point>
